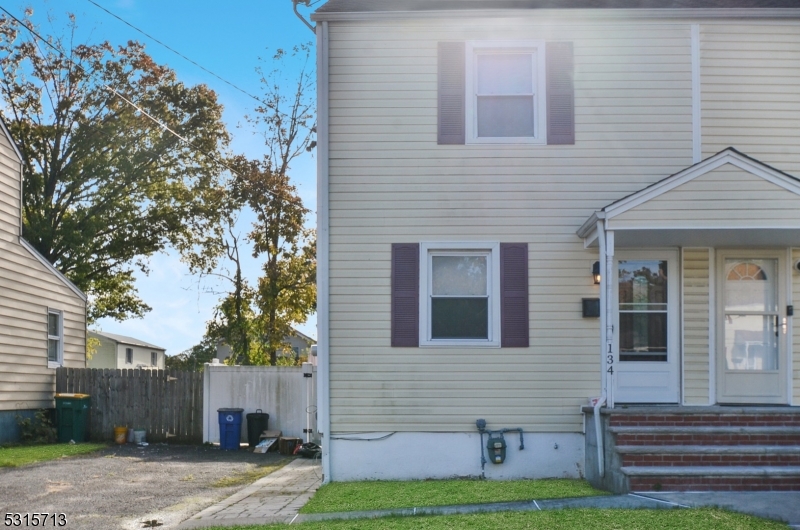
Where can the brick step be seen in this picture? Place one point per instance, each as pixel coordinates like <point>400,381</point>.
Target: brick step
<point>656,459</point>
<point>710,478</point>
<point>705,420</point>
<point>710,449</point>
<point>706,435</point>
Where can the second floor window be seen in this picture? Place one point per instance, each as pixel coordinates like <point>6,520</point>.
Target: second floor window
<point>505,93</point>
<point>153,358</point>
<point>128,355</point>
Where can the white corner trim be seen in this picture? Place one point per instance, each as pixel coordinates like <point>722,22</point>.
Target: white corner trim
<point>682,323</point>
<point>697,141</point>
<point>712,327</point>
<point>51,268</point>
<point>789,337</point>
<point>323,255</point>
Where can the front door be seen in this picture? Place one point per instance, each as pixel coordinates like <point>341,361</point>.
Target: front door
<point>646,326</point>
<point>751,342</point>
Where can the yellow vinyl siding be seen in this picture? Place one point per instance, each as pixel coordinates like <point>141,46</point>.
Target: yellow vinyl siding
<point>27,290</point>
<point>696,338</point>
<point>709,201</point>
<point>749,77</point>
<point>391,183</point>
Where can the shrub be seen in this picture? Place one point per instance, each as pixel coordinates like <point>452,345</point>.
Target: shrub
<point>37,430</point>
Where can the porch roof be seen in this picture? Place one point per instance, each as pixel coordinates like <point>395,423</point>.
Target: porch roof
<point>728,199</point>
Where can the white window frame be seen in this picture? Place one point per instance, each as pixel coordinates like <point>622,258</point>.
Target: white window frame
<point>537,49</point>
<point>126,356</point>
<point>427,251</point>
<point>60,338</point>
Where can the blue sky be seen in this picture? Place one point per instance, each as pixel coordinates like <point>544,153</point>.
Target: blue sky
<point>227,38</point>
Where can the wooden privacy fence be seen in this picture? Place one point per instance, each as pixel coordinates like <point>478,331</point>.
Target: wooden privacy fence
<point>168,404</point>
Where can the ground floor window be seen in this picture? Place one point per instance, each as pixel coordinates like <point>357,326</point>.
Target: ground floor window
<point>55,337</point>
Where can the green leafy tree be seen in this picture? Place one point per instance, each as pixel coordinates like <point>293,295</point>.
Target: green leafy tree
<point>286,292</point>
<point>105,186</point>
<point>255,321</point>
<point>195,357</point>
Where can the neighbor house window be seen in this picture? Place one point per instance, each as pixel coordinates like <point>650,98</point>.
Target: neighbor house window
<point>459,283</point>
<point>55,338</point>
<point>128,355</point>
<point>506,100</point>
<point>154,358</point>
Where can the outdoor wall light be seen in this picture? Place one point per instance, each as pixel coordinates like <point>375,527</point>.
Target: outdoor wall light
<point>596,272</point>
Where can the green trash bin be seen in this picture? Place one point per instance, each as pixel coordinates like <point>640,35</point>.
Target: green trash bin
<point>72,417</point>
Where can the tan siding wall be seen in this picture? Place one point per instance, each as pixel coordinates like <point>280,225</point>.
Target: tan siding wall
<point>27,290</point>
<point>710,202</point>
<point>391,182</point>
<point>696,345</point>
<point>750,74</point>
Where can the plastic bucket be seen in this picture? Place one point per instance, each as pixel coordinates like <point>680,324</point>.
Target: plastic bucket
<point>138,436</point>
<point>120,435</point>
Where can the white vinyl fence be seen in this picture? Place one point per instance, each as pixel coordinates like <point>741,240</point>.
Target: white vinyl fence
<point>281,391</point>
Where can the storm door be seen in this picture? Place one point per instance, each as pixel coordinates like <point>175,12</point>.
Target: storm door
<point>646,327</point>
<point>751,342</point>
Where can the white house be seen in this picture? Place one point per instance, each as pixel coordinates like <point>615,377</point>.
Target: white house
<point>482,162</point>
<point>42,314</point>
<point>118,352</point>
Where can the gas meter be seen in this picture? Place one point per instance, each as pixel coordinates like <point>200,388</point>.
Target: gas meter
<point>497,448</point>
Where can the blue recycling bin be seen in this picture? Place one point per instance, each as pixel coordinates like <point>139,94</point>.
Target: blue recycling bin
<point>230,429</point>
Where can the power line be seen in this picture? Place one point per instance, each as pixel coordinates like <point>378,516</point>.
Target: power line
<point>179,54</point>
<point>155,120</point>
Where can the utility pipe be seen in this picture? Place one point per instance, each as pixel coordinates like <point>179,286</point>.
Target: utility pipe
<point>601,464</point>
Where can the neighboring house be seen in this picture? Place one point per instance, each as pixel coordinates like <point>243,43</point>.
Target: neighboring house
<point>42,314</point>
<point>299,344</point>
<point>481,161</point>
<point>119,351</point>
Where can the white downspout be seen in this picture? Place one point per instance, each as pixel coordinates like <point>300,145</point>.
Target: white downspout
<point>323,266</point>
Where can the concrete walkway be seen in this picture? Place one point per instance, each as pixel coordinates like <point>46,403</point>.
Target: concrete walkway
<point>275,498</point>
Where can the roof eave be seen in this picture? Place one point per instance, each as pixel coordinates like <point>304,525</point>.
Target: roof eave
<point>591,14</point>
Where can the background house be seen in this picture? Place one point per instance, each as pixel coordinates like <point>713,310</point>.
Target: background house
<point>42,314</point>
<point>477,157</point>
<point>119,351</point>
<point>299,344</point>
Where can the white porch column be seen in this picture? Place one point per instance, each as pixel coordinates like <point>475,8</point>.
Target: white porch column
<point>610,359</point>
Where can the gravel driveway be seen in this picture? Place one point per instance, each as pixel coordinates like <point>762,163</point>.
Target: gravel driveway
<point>123,486</point>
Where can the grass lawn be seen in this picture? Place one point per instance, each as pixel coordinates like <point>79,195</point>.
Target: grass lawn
<point>577,519</point>
<point>380,495</point>
<point>28,454</point>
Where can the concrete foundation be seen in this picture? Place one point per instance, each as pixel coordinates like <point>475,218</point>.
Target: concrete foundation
<point>423,455</point>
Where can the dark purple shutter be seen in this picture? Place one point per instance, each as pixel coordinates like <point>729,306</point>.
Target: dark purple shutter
<point>514,295</point>
<point>560,94</point>
<point>405,294</point>
<point>452,93</point>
